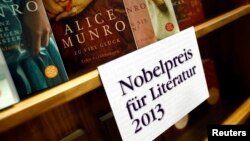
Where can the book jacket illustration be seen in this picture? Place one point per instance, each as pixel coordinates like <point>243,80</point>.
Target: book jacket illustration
<point>188,12</point>
<point>162,17</point>
<point>91,32</point>
<point>8,93</point>
<point>28,46</point>
<point>140,22</point>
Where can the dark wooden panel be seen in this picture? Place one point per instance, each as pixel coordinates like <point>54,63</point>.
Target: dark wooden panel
<point>81,113</point>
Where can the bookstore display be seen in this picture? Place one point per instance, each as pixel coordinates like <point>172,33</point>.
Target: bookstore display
<point>50,88</point>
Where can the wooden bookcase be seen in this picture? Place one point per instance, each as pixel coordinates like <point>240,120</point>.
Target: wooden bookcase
<point>81,105</point>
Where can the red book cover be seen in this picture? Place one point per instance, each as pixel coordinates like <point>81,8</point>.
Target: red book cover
<point>140,22</point>
<point>188,12</point>
<point>91,32</point>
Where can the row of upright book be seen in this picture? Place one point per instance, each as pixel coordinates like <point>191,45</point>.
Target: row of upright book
<point>44,41</point>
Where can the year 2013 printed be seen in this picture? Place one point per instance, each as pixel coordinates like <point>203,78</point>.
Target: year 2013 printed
<point>155,114</point>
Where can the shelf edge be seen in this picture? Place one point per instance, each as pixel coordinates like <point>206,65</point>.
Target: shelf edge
<point>222,20</point>
<point>44,101</point>
<point>240,115</point>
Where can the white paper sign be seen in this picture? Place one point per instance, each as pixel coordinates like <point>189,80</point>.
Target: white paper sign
<point>152,88</point>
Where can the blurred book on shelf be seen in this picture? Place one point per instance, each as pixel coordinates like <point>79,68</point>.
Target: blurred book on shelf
<point>210,71</point>
<point>162,17</point>
<point>93,33</point>
<point>29,48</point>
<point>212,81</point>
<point>188,12</point>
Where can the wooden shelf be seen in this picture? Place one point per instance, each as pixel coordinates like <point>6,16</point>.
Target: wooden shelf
<point>221,20</point>
<point>240,115</point>
<point>44,101</point>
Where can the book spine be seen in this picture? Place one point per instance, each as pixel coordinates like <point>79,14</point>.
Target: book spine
<point>162,17</point>
<point>140,22</point>
<point>188,12</point>
<point>212,81</point>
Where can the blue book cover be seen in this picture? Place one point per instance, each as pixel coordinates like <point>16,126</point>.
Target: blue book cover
<point>29,48</point>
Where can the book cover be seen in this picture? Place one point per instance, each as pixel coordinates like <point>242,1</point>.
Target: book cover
<point>188,12</point>
<point>29,47</point>
<point>91,32</point>
<point>140,22</point>
<point>8,93</point>
<point>162,17</point>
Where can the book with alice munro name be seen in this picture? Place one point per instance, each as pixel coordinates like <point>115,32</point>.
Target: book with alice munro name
<point>94,35</point>
<point>34,61</point>
<point>8,93</point>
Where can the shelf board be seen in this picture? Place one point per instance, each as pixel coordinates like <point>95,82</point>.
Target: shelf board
<point>221,20</point>
<point>48,99</point>
<point>240,115</point>
<point>44,101</point>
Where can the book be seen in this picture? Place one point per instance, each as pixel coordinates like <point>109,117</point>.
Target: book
<point>29,48</point>
<point>188,12</point>
<point>92,35</point>
<point>8,93</point>
<point>212,81</point>
<point>162,17</point>
<point>140,22</point>
<point>210,71</point>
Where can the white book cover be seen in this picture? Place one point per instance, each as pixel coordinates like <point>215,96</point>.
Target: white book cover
<point>163,18</point>
<point>8,93</point>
